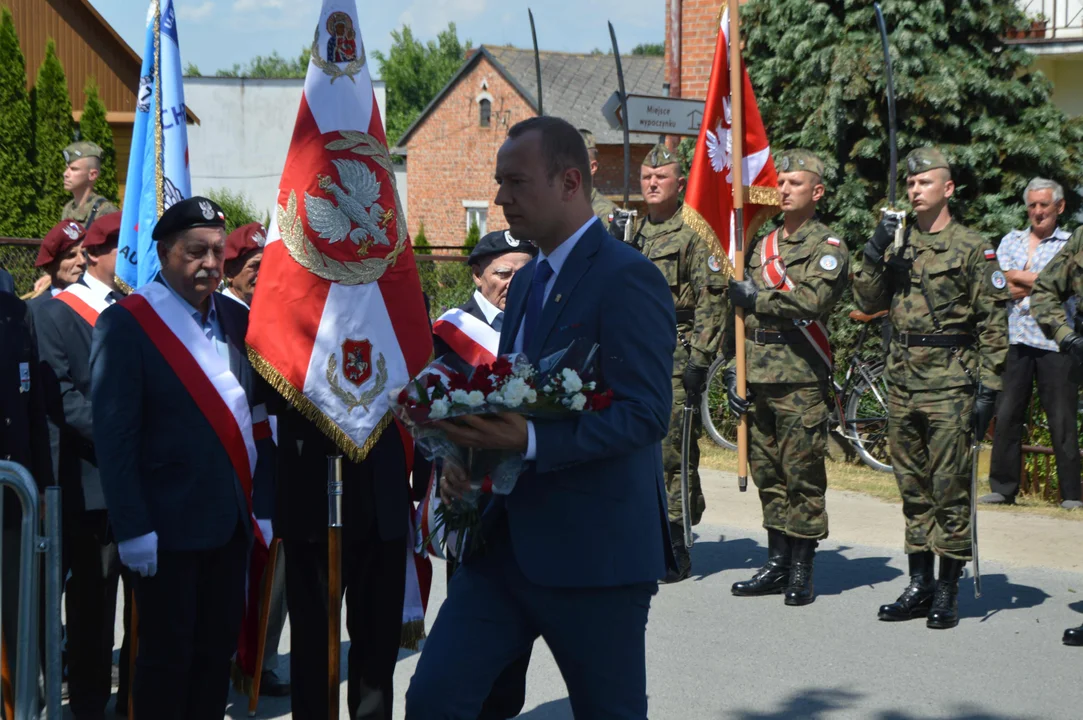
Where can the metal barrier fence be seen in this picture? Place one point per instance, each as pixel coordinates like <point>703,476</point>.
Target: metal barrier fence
<point>25,687</point>
<point>17,256</point>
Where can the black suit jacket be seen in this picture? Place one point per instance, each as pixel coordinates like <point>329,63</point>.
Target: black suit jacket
<point>24,432</point>
<point>64,339</point>
<point>163,468</point>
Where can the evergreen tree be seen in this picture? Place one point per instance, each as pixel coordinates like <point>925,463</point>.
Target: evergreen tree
<point>52,133</point>
<point>18,208</point>
<point>818,71</point>
<point>238,208</point>
<point>421,243</point>
<point>472,237</point>
<point>94,128</point>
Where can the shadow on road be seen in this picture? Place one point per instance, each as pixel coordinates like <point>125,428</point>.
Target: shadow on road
<point>998,594</point>
<point>552,710</point>
<point>1077,606</point>
<point>819,704</point>
<point>835,573</point>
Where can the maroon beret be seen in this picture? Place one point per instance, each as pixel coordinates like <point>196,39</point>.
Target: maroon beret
<point>105,229</point>
<point>64,235</point>
<point>244,240</point>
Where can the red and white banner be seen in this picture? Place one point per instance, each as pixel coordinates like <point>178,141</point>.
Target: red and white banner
<point>708,202</point>
<point>338,319</point>
<point>83,301</point>
<point>471,338</point>
<point>775,277</point>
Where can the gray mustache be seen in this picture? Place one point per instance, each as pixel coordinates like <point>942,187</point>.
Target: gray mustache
<point>202,273</point>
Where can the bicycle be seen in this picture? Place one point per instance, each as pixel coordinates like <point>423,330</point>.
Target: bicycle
<point>858,413</point>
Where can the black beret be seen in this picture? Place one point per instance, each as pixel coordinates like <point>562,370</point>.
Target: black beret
<point>498,243</point>
<point>191,213</point>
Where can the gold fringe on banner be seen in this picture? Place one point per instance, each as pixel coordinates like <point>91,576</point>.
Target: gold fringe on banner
<point>413,633</point>
<point>124,287</point>
<point>762,196</point>
<point>353,451</point>
<point>702,228</point>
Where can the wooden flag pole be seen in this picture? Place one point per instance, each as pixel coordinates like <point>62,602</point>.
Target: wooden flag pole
<point>737,133</point>
<point>264,619</point>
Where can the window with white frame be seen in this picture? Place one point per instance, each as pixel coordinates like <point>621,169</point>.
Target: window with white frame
<point>477,211</point>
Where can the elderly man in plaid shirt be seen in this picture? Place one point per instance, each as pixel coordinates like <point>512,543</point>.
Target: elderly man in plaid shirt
<point>1022,254</point>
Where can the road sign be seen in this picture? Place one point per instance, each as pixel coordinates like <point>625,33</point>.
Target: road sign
<point>657,115</point>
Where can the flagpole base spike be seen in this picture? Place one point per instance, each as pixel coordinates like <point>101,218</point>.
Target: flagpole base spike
<point>742,483</point>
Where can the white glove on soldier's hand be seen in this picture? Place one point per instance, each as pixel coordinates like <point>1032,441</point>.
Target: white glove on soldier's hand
<point>267,530</point>
<point>140,554</point>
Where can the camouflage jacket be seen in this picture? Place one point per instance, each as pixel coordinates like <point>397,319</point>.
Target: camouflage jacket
<point>683,258</point>
<point>603,207</point>
<point>95,204</point>
<point>968,294</point>
<point>1061,278</point>
<point>818,264</point>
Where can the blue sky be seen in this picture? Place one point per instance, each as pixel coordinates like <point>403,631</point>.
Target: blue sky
<point>216,34</point>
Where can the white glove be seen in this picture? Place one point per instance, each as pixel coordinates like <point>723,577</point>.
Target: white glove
<point>140,554</point>
<point>266,529</point>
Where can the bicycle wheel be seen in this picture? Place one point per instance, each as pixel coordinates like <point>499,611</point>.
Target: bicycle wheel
<point>866,418</point>
<point>718,421</point>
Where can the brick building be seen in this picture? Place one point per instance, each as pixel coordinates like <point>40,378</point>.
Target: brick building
<point>451,148</point>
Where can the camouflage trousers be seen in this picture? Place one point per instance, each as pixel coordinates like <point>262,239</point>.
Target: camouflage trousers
<point>671,461</point>
<point>929,434</point>
<point>787,442</point>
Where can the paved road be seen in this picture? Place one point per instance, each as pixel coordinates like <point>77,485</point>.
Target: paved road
<point>710,655</point>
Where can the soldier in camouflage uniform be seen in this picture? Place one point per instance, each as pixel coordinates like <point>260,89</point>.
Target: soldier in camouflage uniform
<point>84,164</point>
<point>603,207</point>
<point>789,376</point>
<point>946,298</point>
<point>1059,281</point>
<point>698,293</point>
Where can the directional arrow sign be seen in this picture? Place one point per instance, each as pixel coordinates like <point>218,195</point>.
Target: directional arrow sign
<point>657,115</point>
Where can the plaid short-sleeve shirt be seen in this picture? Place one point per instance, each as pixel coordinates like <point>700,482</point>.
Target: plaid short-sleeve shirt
<point>1013,254</point>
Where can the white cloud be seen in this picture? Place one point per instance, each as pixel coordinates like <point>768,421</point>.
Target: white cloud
<point>195,13</point>
<point>248,5</point>
<point>428,17</point>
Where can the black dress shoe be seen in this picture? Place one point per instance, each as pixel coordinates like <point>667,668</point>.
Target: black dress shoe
<point>680,554</point>
<point>772,578</point>
<point>1074,636</point>
<point>271,686</point>
<point>799,590</point>
<point>944,613</point>
<point>917,599</point>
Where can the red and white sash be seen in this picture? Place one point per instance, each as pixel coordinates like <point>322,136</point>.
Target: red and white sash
<point>775,278</point>
<point>84,301</point>
<point>205,374</point>
<point>474,340</point>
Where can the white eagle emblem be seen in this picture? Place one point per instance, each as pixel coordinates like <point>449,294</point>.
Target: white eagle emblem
<point>71,230</point>
<point>357,205</point>
<point>206,209</point>
<point>259,239</point>
<point>720,144</point>
<point>512,242</point>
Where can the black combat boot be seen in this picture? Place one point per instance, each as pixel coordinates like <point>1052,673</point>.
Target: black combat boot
<point>772,578</point>
<point>1073,636</point>
<point>799,590</point>
<point>680,554</point>
<point>917,598</point>
<point>945,611</point>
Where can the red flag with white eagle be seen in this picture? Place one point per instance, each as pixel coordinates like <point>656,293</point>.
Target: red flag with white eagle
<point>708,202</point>
<point>338,318</point>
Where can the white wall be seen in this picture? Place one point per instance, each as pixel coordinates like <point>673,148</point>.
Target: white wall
<point>244,133</point>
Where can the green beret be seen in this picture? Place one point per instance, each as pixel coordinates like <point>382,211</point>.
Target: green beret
<point>81,149</point>
<point>800,160</point>
<point>659,156</point>
<point>588,138</point>
<point>925,159</point>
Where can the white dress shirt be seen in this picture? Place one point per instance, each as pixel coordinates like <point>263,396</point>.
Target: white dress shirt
<point>98,287</point>
<point>489,310</point>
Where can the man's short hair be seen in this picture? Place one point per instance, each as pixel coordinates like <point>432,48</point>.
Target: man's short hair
<point>93,163</point>
<point>561,145</point>
<point>1043,184</point>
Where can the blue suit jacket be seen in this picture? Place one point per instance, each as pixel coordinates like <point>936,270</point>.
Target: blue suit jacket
<point>592,510</point>
<point>162,466</point>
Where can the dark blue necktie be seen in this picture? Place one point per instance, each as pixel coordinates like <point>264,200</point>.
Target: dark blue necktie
<point>498,321</point>
<point>534,303</point>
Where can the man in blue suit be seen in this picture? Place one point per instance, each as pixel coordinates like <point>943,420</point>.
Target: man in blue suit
<point>186,459</point>
<point>574,554</point>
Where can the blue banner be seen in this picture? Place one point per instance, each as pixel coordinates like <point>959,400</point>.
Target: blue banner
<point>158,164</point>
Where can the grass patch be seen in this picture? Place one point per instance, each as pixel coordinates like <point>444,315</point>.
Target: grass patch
<point>856,477</point>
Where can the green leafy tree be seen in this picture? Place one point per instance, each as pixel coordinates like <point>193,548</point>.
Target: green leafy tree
<point>473,235</point>
<point>415,72</point>
<point>94,127</point>
<point>818,71</point>
<point>421,243</point>
<point>192,70</point>
<point>18,207</point>
<point>238,208</point>
<point>268,66</point>
<point>53,128</point>
<point>650,49</point>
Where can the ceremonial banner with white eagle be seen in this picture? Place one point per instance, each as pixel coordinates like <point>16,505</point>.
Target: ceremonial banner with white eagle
<point>338,319</point>
<point>708,202</point>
